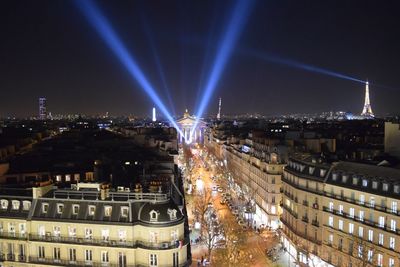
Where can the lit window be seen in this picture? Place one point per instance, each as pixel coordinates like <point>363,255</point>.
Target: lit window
<point>330,206</point>
<point>75,209</point>
<point>372,202</point>
<point>351,228</point>
<point>391,262</point>
<point>355,180</point>
<point>394,206</point>
<point>360,251</point>
<point>340,225</point>
<point>360,231</point>
<point>396,189</point>
<point>15,204</point>
<point>330,221</point>
<point>351,212</point>
<point>362,199</point>
<point>60,208</point>
<point>58,178</point>
<point>172,214</point>
<point>340,209</point>
<point>385,186</point>
<point>375,185</point>
<point>381,221</point>
<point>380,260</point>
<point>107,211</point>
<point>330,240</point>
<point>380,239</point>
<point>370,235</point>
<point>92,210</point>
<point>26,205</point>
<point>68,177</point>
<point>153,215</point>
<point>370,255</point>
<point>124,212</point>
<point>393,225</point>
<point>45,207</point>
<point>365,182</point>
<point>392,242</point>
<point>4,204</point>
<point>361,215</point>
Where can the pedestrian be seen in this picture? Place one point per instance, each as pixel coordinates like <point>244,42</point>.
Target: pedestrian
<point>198,263</point>
<point>202,259</point>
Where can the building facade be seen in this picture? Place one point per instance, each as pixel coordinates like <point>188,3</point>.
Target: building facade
<point>91,225</point>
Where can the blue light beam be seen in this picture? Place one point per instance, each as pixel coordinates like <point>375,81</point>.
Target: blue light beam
<point>110,37</point>
<point>157,60</point>
<point>295,64</point>
<point>236,23</point>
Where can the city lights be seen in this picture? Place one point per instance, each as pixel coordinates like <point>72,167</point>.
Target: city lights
<point>240,12</point>
<point>99,22</point>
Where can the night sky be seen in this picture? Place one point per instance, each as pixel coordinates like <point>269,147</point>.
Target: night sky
<point>49,49</point>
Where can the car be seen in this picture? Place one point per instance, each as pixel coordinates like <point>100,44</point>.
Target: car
<point>235,212</point>
<point>220,190</point>
<point>214,188</point>
<point>241,222</point>
<point>244,227</point>
<point>222,202</point>
<point>209,204</point>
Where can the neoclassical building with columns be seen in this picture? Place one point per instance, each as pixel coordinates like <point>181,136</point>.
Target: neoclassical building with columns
<point>189,131</point>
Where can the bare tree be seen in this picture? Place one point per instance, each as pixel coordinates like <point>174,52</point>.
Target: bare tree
<point>364,254</point>
<point>201,205</point>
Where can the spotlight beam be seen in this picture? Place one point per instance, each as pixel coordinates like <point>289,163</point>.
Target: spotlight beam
<point>236,23</point>
<point>157,60</point>
<point>99,22</point>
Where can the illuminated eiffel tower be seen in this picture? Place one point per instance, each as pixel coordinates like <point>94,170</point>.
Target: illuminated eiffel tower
<point>367,110</point>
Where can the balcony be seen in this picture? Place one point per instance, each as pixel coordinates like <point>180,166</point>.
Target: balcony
<point>315,223</point>
<point>305,203</point>
<point>21,258</point>
<point>13,235</point>
<point>304,219</point>
<point>315,206</point>
<point>109,243</point>
<point>10,257</point>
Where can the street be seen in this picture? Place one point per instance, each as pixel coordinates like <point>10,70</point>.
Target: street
<point>199,180</point>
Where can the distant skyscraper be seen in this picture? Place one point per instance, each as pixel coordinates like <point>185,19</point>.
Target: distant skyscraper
<point>219,109</point>
<point>154,115</point>
<point>42,108</point>
<point>367,110</point>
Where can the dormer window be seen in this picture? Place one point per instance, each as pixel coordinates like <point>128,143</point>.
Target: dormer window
<point>107,211</point>
<point>124,212</point>
<point>4,204</point>
<point>45,207</point>
<point>60,208</point>
<point>58,178</point>
<point>15,204</point>
<point>302,167</point>
<point>385,187</point>
<point>322,172</point>
<point>364,182</point>
<point>396,189</point>
<point>26,205</point>
<point>172,214</point>
<point>92,210</point>
<point>311,170</point>
<point>153,216</point>
<point>75,209</point>
<point>334,176</point>
<point>375,185</point>
<point>355,180</point>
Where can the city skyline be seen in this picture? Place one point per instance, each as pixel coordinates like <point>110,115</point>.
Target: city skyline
<point>63,60</point>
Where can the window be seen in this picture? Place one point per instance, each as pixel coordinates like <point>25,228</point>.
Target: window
<point>174,235</point>
<point>375,185</point>
<point>380,239</point>
<point>107,211</point>
<point>396,189</point>
<point>331,206</point>
<point>393,225</point>
<point>330,221</point>
<point>365,182</point>
<point>172,214</point>
<point>351,212</point>
<point>351,228</point>
<point>105,235</point>
<point>88,255</point>
<point>60,208</point>
<point>392,242</point>
<point>361,215</point>
<point>341,209</point>
<point>4,204</point>
<point>370,255</point>
<point>372,202</point>
<point>57,231</point>
<point>104,256</point>
<point>124,212</point>
<point>11,228</point>
<point>380,260</point>
<point>56,254</point>
<point>385,186</point>
<point>58,178</point>
<point>370,235</point>
<point>175,259</point>
<point>22,229</point>
<point>122,235</point>
<point>330,240</point>
<point>92,210</point>
<point>15,204</point>
<point>153,262</point>
<point>360,231</point>
<point>26,205</point>
<point>71,231</point>
<point>394,206</point>
<point>381,221</point>
<point>153,216</point>
<point>341,225</point>
<point>45,207</point>
<point>72,254</point>
<point>68,177</point>
<point>153,237</point>
<point>391,262</point>
<point>360,251</point>
<point>75,209</point>
<point>88,233</point>
<point>355,180</point>
<point>334,176</point>
<point>41,253</point>
<point>362,199</point>
<point>121,259</point>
